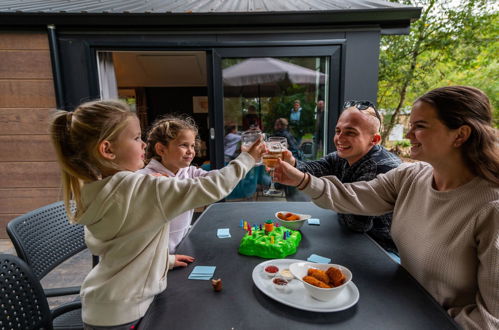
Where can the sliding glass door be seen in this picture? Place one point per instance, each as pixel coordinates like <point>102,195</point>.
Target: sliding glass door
<point>290,92</point>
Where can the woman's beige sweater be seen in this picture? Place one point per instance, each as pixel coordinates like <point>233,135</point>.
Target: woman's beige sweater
<point>449,241</point>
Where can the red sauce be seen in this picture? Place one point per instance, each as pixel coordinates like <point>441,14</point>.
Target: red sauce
<point>271,269</point>
<point>280,281</point>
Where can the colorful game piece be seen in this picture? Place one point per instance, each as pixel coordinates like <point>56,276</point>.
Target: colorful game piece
<point>269,226</point>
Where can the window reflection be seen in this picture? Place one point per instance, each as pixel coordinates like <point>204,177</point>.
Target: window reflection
<point>282,96</point>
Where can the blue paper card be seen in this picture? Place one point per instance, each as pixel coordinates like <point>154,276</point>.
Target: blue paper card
<point>318,259</point>
<point>314,221</point>
<point>202,273</point>
<point>204,270</point>
<point>223,233</point>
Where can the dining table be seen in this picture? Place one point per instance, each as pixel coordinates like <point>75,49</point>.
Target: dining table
<point>386,295</point>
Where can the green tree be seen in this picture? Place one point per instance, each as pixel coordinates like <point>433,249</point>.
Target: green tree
<point>452,43</point>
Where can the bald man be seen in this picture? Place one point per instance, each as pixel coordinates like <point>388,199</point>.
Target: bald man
<point>358,157</point>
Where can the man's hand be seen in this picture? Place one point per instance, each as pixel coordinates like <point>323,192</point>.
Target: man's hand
<point>286,174</point>
<point>182,260</point>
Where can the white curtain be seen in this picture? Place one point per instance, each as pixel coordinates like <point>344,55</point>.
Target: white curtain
<point>107,76</point>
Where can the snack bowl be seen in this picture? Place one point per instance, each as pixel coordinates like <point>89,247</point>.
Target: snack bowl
<point>292,224</point>
<point>300,269</point>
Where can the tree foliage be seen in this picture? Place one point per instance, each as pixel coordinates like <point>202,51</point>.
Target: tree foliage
<point>452,43</point>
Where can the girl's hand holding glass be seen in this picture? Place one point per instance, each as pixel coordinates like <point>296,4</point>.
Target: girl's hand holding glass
<point>248,138</point>
<point>256,150</point>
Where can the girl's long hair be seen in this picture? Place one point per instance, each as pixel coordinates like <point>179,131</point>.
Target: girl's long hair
<point>464,105</point>
<point>76,136</point>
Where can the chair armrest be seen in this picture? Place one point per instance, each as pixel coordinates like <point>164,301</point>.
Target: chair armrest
<point>65,308</point>
<point>67,291</point>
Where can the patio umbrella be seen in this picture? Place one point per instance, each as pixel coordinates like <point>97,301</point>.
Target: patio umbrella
<point>266,76</point>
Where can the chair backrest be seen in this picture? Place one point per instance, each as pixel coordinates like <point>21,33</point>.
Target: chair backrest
<point>44,238</point>
<point>24,305</point>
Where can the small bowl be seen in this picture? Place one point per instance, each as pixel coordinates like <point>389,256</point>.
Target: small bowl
<point>300,269</point>
<point>286,274</point>
<point>293,224</point>
<point>271,270</point>
<point>280,283</point>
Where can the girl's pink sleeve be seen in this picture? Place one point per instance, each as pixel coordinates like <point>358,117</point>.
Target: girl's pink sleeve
<point>197,172</point>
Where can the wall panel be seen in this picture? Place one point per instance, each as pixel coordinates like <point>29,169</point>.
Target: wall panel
<point>29,175</point>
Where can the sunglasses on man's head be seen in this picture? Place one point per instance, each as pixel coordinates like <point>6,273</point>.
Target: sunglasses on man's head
<point>362,105</point>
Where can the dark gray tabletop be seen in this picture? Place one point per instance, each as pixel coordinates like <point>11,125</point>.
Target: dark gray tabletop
<point>389,297</point>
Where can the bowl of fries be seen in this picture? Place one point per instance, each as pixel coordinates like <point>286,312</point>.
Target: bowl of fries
<point>323,282</point>
<point>291,220</point>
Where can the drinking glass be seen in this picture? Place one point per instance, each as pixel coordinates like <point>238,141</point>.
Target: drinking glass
<point>274,152</point>
<point>281,139</point>
<point>249,137</point>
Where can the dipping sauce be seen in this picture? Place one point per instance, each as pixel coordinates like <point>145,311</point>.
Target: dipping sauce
<point>280,281</point>
<point>280,284</point>
<point>271,269</point>
<point>286,274</point>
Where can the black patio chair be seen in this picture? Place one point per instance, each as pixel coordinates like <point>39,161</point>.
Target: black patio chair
<point>44,239</point>
<point>24,304</point>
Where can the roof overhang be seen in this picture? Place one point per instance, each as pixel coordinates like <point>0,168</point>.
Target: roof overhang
<point>394,19</point>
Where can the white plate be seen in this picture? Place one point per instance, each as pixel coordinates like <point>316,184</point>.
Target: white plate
<point>296,296</point>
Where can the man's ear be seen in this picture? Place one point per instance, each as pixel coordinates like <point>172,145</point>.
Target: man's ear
<point>463,133</point>
<point>376,139</point>
<point>105,150</point>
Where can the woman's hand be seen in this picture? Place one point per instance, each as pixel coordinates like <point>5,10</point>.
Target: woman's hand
<point>287,174</point>
<point>182,260</point>
<point>287,156</point>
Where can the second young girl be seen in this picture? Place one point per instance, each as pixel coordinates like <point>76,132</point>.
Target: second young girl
<point>126,214</point>
<point>171,147</point>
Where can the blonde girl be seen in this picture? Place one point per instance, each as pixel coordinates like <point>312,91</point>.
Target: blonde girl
<point>126,214</point>
<point>171,146</point>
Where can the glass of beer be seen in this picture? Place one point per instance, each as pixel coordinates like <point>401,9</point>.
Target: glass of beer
<point>274,152</point>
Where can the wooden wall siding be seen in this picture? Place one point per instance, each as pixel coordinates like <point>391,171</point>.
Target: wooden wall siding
<point>25,64</point>
<point>34,148</point>
<point>27,94</point>
<point>23,40</point>
<point>20,201</point>
<point>21,120</point>
<point>29,175</point>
